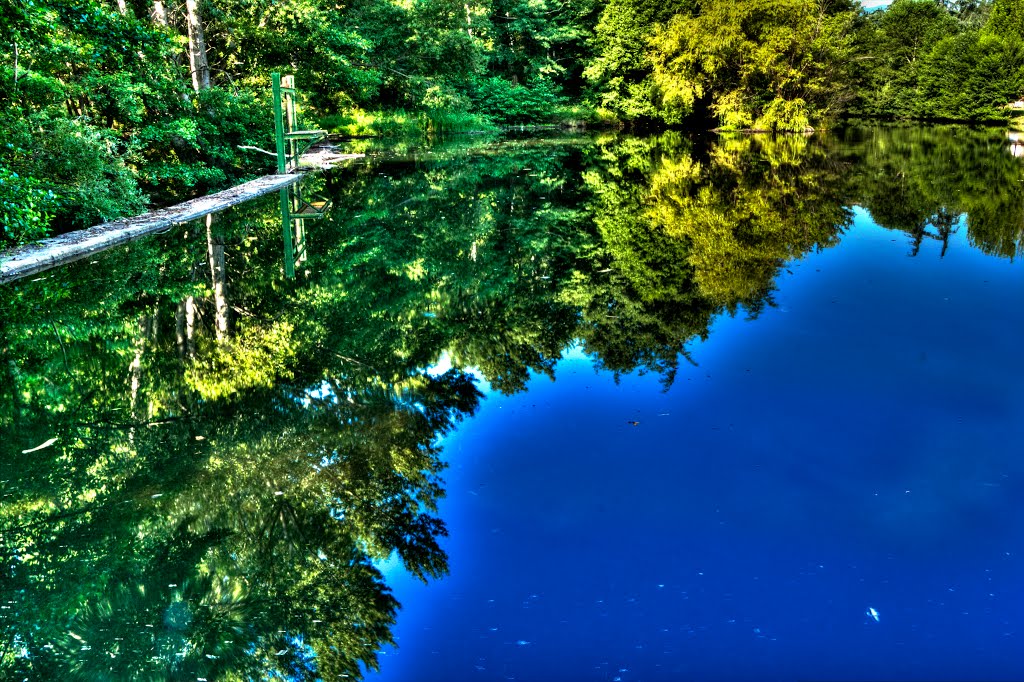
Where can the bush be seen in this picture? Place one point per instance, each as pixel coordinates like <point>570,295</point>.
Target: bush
<point>72,176</point>
<point>509,103</point>
<point>26,209</point>
<point>781,115</point>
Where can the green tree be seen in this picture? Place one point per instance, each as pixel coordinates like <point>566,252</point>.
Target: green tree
<point>895,44</point>
<point>971,77</point>
<point>1006,19</point>
<point>621,70</point>
<point>767,66</point>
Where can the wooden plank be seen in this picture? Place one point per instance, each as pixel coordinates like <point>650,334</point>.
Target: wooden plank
<point>66,248</point>
<point>305,133</point>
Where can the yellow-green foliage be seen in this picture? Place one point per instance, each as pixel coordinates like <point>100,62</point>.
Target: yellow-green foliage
<point>767,65</point>
<point>255,358</point>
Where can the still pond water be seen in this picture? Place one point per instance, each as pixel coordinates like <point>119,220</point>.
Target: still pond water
<point>589,408</point>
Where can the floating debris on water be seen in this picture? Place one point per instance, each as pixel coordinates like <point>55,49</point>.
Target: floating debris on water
<point>872,613</point>
<point>40,447</point>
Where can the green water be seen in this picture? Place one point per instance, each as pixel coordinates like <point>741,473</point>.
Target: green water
<point>203,462</point>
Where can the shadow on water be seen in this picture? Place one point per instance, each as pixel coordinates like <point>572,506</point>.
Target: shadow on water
<point>203,460</point>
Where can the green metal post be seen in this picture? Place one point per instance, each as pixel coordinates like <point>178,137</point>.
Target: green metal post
<point>286,231</point>
<point>282,159</point>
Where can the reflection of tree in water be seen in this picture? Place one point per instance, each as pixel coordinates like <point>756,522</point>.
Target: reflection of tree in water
<point>203,515</point>
<point>685,239</point>
<point>923,181</point>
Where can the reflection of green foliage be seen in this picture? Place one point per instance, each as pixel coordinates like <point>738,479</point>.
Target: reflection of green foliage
<point>763,201</point>
<point>638,301</point>
<point>687,239</point>
<point>255,358</point>
<point>922,182</point>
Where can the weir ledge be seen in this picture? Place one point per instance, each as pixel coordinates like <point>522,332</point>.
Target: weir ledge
<point>66,248</point>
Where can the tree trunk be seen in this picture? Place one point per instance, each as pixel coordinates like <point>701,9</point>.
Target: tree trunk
<point>159,13</point>
<point>196,47</point>
<point>189,305</point>
<point>135,373</point>
<point>218,275</point>
<point>182,329</point>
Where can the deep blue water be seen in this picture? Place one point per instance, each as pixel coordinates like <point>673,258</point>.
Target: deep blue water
<point>856,447</point>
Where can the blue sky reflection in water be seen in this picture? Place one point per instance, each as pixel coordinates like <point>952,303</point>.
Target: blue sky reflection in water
<point>856,447</point>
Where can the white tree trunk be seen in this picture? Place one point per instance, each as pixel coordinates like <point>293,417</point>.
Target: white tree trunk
<point>196,47</point>
<point>159,13</point>
<point>218,276</point>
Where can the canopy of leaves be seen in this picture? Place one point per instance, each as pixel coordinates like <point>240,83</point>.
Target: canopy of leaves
<point>762,65</point>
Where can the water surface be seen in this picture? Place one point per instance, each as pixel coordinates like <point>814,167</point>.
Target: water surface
<point>588,408</point>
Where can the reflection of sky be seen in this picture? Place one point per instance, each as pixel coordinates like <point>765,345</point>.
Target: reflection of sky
<point>444,363</point>
<point>857,447</point>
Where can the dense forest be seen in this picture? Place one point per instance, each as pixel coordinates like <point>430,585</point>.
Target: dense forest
<point>108,106</point>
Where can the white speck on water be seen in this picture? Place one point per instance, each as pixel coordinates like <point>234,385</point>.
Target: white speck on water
<point>522,642</point>
<point>872,613</point>
<point>43,446</point>
<point>661,585</point>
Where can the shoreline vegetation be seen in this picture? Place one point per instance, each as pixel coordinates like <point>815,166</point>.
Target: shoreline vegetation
<point>111,107</point>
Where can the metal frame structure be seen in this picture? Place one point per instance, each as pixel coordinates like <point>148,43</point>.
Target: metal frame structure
<point>296,209</point>
<point>291,143</point>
